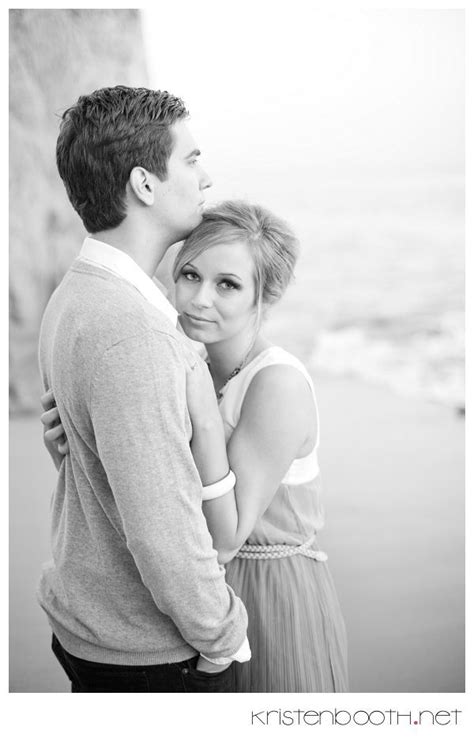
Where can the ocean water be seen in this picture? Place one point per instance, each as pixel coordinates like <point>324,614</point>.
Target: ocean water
<point>379,289</point>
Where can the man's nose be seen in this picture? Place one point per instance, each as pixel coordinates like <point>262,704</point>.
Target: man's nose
<point>205,180</point>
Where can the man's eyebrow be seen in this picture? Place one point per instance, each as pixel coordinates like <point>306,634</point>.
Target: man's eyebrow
<point>194,153</point>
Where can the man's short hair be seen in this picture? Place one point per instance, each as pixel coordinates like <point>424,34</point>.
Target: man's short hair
<point>103,137</point>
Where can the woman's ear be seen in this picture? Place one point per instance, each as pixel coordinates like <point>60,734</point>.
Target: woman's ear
<point>142,186</point>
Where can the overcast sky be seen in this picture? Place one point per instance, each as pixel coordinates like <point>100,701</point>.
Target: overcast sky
<point>370,90</point>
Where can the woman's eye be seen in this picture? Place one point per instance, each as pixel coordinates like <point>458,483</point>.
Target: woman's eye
<point>190,276</point>
<point>228,285</point>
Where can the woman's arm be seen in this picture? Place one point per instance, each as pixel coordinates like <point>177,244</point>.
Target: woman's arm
<point>277,422</point>
<point>208,441</point>
<point>277,419</point>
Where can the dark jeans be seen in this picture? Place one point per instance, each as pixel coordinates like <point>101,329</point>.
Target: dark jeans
<point>89,676</point>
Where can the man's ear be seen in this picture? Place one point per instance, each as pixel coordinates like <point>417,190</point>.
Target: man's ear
<point>142,186</point>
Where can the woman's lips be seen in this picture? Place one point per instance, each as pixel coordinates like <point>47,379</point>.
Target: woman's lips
<point>198,319</point>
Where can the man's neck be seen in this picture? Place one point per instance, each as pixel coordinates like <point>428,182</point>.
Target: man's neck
<point>145,249</point>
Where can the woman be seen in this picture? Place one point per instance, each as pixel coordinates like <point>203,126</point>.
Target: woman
<point>263,520</point>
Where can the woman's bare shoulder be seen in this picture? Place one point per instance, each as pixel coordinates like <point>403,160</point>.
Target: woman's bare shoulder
<point>280,386</point>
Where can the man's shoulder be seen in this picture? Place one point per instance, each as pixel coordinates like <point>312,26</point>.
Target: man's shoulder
<point>95,311</point>
<point>109,303</point>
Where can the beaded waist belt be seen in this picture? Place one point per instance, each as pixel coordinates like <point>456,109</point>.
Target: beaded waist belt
<point>280,550</point>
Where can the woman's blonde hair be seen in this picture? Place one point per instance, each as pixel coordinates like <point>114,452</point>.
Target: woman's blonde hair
<point>272,243</point>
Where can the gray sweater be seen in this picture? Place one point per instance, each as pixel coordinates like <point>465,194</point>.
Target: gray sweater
<point>134,578</point>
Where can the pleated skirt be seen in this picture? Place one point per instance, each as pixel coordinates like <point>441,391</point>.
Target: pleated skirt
<point>296,630</point>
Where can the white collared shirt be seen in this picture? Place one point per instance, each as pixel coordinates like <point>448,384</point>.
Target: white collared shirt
<point>118,262</point>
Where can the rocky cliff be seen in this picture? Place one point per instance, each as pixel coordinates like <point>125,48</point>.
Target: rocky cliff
<point>55,56</point>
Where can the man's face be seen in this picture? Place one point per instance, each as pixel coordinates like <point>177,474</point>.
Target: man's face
<point>180,198</point>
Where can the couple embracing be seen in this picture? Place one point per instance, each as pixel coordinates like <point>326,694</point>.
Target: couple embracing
<point>187,506</point>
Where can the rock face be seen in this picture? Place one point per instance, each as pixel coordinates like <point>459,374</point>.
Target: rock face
<point>55,56</point>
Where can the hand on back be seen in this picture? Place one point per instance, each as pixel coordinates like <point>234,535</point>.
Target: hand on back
<point>54,436</point>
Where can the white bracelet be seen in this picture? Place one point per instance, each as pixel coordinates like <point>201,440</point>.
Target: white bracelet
<point>219,488</point>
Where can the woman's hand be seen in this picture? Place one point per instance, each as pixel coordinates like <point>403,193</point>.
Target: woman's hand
<point>208,440</point>
<point>201,396</point>
<point>54,436</point>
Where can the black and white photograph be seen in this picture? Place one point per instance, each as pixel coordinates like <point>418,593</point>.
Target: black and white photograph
<point>237,360</point>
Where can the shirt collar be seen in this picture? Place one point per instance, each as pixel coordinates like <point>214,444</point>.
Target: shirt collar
<point>118,262</point>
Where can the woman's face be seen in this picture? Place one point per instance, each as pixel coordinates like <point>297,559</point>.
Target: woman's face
<point>215,293</point>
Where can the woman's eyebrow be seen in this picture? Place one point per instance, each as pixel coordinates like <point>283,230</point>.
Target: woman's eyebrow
<point>230,275</point>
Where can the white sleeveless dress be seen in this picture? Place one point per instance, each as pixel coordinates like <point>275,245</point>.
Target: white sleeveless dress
<point>296,630</point>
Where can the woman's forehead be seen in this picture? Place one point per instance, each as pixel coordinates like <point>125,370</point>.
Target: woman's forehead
<point>235,257</point>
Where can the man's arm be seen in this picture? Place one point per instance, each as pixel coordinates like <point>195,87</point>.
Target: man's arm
<point>138,411</point>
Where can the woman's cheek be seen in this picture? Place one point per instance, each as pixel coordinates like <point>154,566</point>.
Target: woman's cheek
<point>180,297</point>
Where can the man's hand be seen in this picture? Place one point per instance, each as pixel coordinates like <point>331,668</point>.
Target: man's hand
<point>203,665</point>
<point>53,434</point>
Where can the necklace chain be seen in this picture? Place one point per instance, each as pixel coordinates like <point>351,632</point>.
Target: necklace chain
<point>234,373</point>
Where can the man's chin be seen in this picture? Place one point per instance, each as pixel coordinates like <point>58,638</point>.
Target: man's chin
<point>198,219</point>
<point>185,232</point>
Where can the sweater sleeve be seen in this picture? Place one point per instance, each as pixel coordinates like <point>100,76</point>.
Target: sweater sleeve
<point>138,412</point>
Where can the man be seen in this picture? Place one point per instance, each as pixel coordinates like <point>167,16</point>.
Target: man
<point>134,591</point>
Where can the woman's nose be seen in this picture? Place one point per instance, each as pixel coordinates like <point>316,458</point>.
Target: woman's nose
<point>203,296</point>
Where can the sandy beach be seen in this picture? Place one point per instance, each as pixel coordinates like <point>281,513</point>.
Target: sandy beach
<point>393,470</point>
<point>393,473</point>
